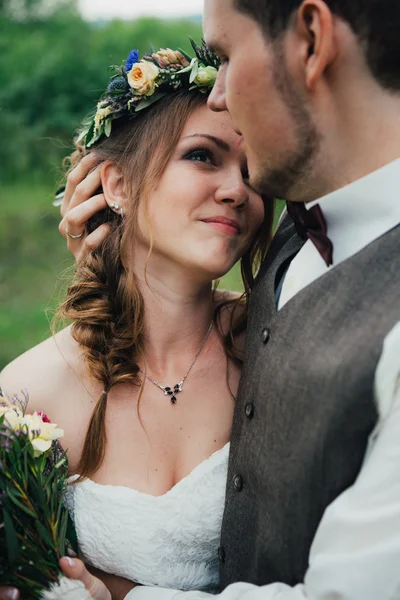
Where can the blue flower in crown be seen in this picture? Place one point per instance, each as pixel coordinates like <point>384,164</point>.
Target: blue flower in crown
<point>132,59</point>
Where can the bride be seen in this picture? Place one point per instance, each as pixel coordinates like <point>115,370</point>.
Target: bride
<point>144,380</point>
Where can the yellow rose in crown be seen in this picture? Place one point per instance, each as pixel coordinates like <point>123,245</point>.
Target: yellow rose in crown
<point>142,77</point>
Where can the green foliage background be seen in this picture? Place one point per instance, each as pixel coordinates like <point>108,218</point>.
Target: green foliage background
<point>53,67</point>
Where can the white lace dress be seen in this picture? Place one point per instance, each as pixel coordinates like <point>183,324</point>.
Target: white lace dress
<point>168,541</point>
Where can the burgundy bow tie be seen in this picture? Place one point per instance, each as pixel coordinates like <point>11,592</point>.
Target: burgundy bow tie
<point>312,224</point>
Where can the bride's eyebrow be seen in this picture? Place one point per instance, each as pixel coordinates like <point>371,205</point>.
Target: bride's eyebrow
<point>211,138</point>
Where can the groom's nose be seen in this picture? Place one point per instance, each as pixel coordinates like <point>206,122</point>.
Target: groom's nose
<point>216,99</point>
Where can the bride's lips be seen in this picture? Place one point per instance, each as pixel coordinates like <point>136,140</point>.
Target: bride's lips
<point>224,224</point>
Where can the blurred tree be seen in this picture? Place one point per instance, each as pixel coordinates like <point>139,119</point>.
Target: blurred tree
<point>33,10</point>
<point>53,67</point>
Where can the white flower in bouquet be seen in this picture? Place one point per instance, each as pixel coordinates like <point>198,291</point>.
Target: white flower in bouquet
<point>41,433</point>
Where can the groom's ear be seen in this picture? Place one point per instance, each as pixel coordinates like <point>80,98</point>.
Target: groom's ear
<point>113,184</point>
<point>314,27</point>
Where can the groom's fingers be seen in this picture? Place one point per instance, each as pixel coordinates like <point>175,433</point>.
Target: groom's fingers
<point>7,593</point>
<point>77,177</point>
<point>75,569</point>
<point>75,222</point>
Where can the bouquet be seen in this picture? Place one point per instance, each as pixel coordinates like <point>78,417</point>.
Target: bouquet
<point>35,527</point>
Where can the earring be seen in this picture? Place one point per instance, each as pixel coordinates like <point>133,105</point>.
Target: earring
<point>116,208</point>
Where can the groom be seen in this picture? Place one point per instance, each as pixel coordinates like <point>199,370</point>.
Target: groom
<point>313,494</point>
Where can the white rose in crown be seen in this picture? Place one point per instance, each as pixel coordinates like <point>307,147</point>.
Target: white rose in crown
<point>206,76</point>
<point>142,77</point>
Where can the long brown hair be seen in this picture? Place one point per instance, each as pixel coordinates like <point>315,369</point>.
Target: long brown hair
<point>104,301</point>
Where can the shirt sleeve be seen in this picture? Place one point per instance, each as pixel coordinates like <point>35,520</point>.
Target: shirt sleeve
<point>356,550</point>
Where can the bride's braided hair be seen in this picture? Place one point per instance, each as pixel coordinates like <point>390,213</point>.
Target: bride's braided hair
<point>104,301</point>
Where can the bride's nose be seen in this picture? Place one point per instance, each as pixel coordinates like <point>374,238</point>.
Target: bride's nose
<point>233,191</point>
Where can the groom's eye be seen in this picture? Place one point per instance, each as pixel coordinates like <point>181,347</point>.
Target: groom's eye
<point>245,175</point>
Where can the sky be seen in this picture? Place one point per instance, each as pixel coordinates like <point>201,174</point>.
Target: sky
<point>130,9</point>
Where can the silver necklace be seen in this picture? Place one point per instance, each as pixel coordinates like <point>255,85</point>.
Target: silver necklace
<point>177,388</point>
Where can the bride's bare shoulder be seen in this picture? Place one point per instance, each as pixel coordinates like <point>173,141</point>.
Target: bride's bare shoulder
<point>44,370</point>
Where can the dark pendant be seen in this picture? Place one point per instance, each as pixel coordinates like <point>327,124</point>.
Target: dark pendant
<point>172,392</point>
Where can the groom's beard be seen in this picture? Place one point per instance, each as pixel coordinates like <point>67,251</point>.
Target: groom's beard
<point>296,163</point>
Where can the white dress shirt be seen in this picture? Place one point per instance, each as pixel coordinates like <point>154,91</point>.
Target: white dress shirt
<point>356,215</point>
<point>355,554</point>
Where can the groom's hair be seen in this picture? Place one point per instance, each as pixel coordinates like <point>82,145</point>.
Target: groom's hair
<point>375,22</point>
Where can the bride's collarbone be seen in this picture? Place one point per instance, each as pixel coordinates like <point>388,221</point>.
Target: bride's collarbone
<point>200,405</point>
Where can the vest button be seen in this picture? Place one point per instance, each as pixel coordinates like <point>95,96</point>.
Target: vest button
<point>221,554</point>
<point>238,483</point>
<point>249,410</point>
<point>265,335</point>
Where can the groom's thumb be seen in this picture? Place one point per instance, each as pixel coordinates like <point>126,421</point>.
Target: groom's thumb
<point>75,569</point>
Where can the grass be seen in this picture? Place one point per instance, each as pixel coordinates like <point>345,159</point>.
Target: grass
<point>35,265</point>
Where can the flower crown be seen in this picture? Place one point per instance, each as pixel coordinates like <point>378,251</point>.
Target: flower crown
<point>138,84</point>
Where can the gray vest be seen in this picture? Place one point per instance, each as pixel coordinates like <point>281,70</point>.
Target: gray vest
<point>305,406</point>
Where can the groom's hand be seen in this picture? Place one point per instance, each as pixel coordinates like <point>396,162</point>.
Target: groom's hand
<point>82,201</point>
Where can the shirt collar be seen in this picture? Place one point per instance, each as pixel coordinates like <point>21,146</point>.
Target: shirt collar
<point>362,211</point>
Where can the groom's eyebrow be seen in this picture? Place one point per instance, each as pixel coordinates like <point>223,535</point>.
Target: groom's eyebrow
<point>217,141</point>
<point>213,48</point>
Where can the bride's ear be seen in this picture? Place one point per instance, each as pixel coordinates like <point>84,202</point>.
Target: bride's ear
<point>112,181</point>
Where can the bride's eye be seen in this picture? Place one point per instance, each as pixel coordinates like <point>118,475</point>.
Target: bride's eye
<point>200,155</point>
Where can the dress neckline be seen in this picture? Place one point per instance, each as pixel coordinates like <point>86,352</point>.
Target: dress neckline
<point>194,474</point>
